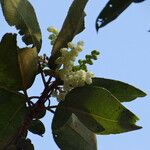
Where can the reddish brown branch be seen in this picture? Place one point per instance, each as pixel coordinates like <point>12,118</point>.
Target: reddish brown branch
<point>38,107</point>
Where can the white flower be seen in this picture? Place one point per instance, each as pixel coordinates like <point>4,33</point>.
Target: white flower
<point>63,51</point>
<point>71,79</point>
<point>80,43</point>
<point>71,45</point>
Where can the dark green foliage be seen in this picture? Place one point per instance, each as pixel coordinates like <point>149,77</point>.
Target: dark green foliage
<point>37,127</point>
<point>73,25</point>
<point>69,133</point>
<point>41,114</point>
<point>86,111</point>
<point>15,72</point>
<point>122,91</point>
<point>74,135</point>
<point>20,13</point>
<point>138,1</point>
<point>12,114</point>
<point>100,111</point>
<point>24,144</point>
<point>8,51</point>
<point>61,116</point>
<point>27,145</point>
<point>12,147</point>
<point>112,10</point>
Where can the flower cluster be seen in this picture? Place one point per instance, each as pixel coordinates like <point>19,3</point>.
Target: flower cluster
<point>54,33</point>
<point>72,75</point>
<point>72,78</point>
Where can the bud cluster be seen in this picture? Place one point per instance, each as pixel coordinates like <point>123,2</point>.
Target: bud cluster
<point>88,60</point>
<point>54,33</point>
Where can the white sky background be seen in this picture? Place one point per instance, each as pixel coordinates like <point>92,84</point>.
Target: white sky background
<point>125,51</point>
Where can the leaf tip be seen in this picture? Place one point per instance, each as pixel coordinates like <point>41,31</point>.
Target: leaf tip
<point>143,94</point>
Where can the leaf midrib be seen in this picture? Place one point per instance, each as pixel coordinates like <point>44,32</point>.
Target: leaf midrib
<point>86,113</point>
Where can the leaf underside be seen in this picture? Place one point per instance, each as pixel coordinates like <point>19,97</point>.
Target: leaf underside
<point>16,72</point>
<point>73,25</point>
<point>73,135</point>
<point>20,13</point>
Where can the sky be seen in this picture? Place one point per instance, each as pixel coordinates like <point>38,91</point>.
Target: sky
<point>124,47</point>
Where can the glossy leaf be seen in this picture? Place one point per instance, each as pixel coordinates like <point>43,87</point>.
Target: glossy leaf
<point>100,111</point>
<point>122,91</point>
<point>37,127</point>
<point>18,67</point>
<point>73,135</point>
<point>111,11</point>
<point>12,113</point>
<point>73,24</point>
<point>20,13</point>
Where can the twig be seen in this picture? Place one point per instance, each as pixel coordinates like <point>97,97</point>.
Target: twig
<point>42,75</point>
<point>52,111</point>
<point>49,80</point>
<point>34,97</point>
<point>50,107</point>
<point>27,98</point>
<point>49,102</point>
<point>37,106</point>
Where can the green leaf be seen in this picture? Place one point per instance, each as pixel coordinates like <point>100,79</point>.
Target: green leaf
<point>73,24</point>
<point>98,109</point>
<point>37,127</point>
<point>28,62</point>
<point>138,1</point>
<point>111,11</point>
<point>18,67</point>
<point>40,114</point>
<point>12,147</point>
<point>61,116</point>
<point>20,13</point>
<point>24,144</point>
<point>73,135</point>
<point>122,91</point>
<point>28,145</point>
<point>67,126</point>
<point>12,113</point>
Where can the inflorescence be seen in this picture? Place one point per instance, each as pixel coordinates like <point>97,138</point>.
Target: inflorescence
<point>72,75</point>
